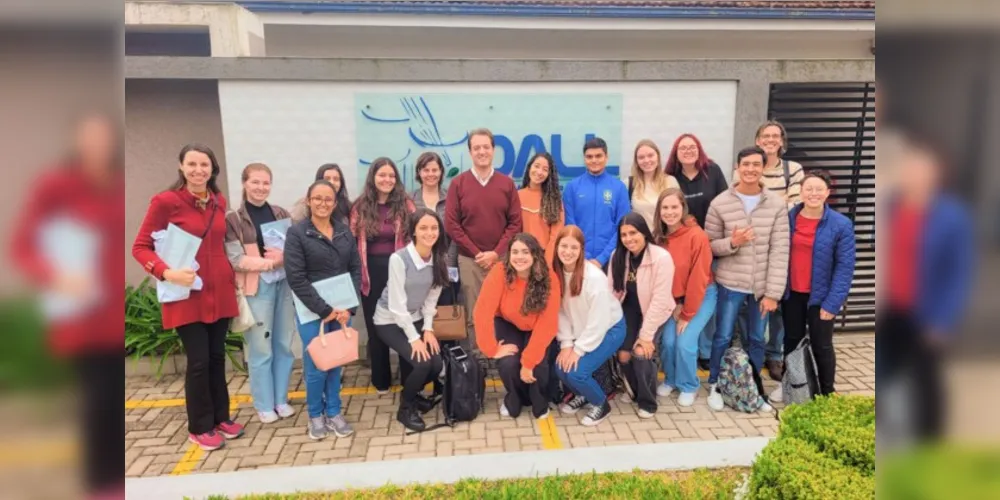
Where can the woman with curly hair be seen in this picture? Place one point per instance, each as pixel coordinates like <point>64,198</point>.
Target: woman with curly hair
<point>377,220</point>
<point>516,317</point>
<point>541,202</point>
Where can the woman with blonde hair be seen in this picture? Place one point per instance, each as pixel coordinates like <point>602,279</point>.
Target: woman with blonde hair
<point>269,341</point>
<point>648,180</point>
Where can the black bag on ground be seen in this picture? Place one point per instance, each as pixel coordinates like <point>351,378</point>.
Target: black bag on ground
<point>464,385</point>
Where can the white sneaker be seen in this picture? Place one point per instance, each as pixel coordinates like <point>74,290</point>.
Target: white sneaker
<point>267,417</point>
<point>574,405</point>
<point>686,399</point>
<point>776,395</point>
<point>544,415</point>
<point>285,411</point>
<point>764,407</point>
<point>381,392</point>
<point>645,414</point>
<point>664,390</point>
<point>504,412</point>
<point>715,399</point>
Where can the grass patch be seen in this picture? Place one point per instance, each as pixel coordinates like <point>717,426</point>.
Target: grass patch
<point>700,484</point>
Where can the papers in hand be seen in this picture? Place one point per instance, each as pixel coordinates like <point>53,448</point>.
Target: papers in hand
<point>274,237</point>
<point>177,248</point>
<point>70,248</point>
<point>453,274</point>
<point>337,291</point>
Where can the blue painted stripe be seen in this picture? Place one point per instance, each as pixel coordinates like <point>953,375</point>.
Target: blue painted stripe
<point>597,11</point>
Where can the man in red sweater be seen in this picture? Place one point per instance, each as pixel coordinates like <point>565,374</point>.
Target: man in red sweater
<point>482,214</point>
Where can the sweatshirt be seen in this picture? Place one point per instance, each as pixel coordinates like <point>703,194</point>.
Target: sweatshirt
<point>584,320</point>
<point>535,224</point>
<point>692,254</point>
<point>596,204</point>
<point>497,299</point>
<point>482,218</point>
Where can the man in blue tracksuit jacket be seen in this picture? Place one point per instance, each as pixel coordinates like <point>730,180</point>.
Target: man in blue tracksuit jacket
<point>596,202</point>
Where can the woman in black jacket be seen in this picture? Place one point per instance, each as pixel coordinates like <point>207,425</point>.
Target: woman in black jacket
<point>317,248</point>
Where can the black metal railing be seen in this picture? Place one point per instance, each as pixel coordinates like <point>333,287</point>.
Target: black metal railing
<point>831,127</point>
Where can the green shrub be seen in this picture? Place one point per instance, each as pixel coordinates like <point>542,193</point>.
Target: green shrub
<point>26,361</point>
<point>841,427</point>
<point>790,468</point>
<point>824,449</point>
<point>145,335</point>
<point>941,471</point>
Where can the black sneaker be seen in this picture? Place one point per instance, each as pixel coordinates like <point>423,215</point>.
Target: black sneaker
<point>423,404</point>
<point>704,365</point>
<point>411,419</point>
<point>596,415</point>
<point>573,405</point>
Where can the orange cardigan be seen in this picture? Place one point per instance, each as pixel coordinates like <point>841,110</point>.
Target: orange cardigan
<point>692,254</point>
<point>535,224</point>
<point>497,299</point>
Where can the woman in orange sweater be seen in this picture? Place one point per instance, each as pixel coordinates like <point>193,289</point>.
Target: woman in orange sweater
<point>694,290</point>
<point>541,203</point>
<point>516,318</point>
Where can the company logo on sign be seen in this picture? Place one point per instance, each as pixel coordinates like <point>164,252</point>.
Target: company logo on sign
<point>402,127</point>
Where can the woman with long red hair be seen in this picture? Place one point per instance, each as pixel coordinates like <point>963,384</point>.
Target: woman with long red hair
<point>700,178</point>
<point>591,326</point>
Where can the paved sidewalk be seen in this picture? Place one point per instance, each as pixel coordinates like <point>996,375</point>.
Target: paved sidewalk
<point>156,436</point>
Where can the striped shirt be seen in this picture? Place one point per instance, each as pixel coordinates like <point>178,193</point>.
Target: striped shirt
<point>774,180</point>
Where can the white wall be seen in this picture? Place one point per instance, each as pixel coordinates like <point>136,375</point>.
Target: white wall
<point>294,127</point>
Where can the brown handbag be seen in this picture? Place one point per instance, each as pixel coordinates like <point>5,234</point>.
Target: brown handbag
<point>450,323</point>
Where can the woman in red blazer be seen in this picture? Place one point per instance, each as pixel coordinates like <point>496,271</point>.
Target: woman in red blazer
<point>195,205</point>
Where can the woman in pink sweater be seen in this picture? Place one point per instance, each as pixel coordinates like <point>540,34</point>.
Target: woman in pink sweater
<point>641,275</point>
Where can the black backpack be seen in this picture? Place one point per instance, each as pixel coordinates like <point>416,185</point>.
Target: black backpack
<point>464,395</point>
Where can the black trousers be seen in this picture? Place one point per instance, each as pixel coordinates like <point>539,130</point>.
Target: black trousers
<point>205,388</point>
<point>420,372</point>
<point>799,319</point>
<point>378,351</point>
<point>639,373</point>
<point>903,352</point>
<point>520,394</point>
<point>100,376</point>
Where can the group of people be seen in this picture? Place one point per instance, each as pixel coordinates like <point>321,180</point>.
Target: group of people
<point>557,281</point>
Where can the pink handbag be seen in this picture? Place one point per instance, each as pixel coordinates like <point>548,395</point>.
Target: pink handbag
<point>334,349</point>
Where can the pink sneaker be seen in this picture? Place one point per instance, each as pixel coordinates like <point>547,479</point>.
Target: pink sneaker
<point>230,429</point>
<point>208,441</point>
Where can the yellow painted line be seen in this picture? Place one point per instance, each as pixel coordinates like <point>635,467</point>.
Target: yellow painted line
<point>550,436</point>
<point>293,395</point>
<point>189,461</point>
<point>47,453</point>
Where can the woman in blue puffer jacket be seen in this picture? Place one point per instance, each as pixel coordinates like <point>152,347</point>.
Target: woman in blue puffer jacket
<point>821,268</point>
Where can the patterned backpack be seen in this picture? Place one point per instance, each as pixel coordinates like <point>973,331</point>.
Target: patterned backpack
<point>738,384</point>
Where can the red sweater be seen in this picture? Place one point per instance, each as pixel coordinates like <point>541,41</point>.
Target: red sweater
<point>217,300</point>
<point>482,219</point>
<point>692,255</point>
<point>67,192</point>
<point>802,253</point>
<point>497,299</point>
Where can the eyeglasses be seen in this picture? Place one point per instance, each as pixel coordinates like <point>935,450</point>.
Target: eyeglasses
<point>324,201</point>
<point>687,149</point>
<point>770,136</point>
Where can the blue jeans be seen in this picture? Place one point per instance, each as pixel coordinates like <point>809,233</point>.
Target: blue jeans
<point>730,302</point>
<point>707,334</point>
<point>269,345</point>
<point>775,334</point>
<point>322,388</point>
<point>679,353</point>
<point>581,380</point>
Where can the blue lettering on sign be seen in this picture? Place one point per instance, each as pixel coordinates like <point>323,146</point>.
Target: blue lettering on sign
<point>515,160</point>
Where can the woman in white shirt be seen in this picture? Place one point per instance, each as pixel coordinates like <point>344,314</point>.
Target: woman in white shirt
<point>405,312</point>
<point>648,180</point>
<point>591,326</point>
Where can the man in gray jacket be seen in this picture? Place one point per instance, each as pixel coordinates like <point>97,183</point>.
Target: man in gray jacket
<point>748,228</point>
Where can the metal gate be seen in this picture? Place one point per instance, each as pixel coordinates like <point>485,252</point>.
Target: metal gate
<point>831,127</point>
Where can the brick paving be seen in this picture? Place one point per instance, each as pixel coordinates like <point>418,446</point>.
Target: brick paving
<point>156,438</point>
